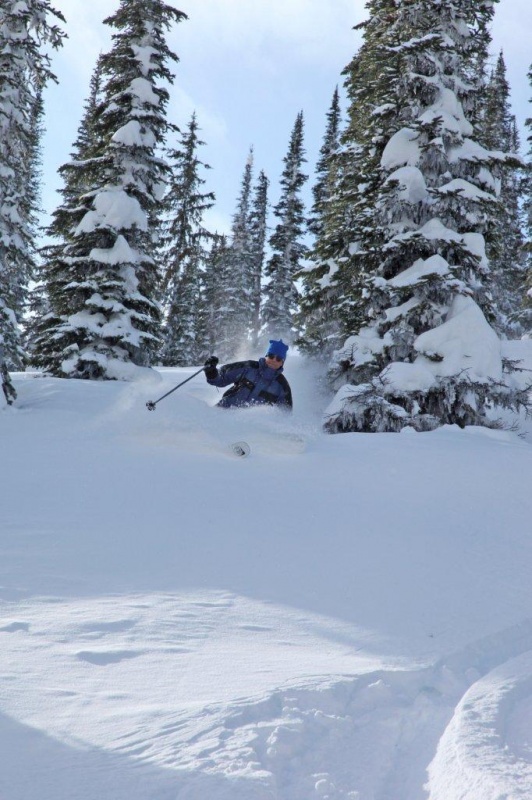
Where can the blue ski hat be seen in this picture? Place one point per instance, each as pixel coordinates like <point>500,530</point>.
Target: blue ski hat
<point>277,348</point>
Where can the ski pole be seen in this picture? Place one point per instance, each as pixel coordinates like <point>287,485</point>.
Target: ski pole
<point>150,405</point>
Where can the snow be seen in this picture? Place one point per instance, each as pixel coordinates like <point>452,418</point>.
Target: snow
<point>402,150</point>
<point>432,230</point>
<point>435,229</point>
<point>469,150</point>
<point>480,746</point>
<point>448,109</point>
<point>333,617</point>
<point>332,268</point>
<point>142,88</point>
<point>466,190</point>
<point>113,208</point>
<point>413,187</point>
<point>486,178</point>
<point>465,342</point>
<point>403,377</point>
<point>120,253</point>
<point>402,310</point>
<point>361,348</point>
<point>476,243</point>
<point>420,269</point>
<point>133,134</point>
<point>144,55</point>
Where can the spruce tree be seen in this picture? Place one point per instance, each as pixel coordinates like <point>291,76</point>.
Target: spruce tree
<point>181,343</point>
<point>8,389</point>
<point>505,242</point>
<point>36,305</point>
<point>215,304</point>
<point>333,305</point>
<point>411,279</point>
<point>185,252</point>
<point>314,317</point>
<point>50,301</point>
<point>26,30</point>
<point>258,235</point>
<point>525,312</point>
<point>324,185</point>
<point>237,315</point>
<point>286,242</point>
<point>103,279</point>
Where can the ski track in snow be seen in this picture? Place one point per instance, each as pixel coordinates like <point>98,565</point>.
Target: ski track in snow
<point>108,690</point>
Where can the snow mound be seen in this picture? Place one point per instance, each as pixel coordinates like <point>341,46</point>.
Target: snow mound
<point>465,342</point>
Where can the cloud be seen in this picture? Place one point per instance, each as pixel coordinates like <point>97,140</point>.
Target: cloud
<point>181,107</point>
<point>307,29</point>
<point>87,36</point>
<point>216,220</point>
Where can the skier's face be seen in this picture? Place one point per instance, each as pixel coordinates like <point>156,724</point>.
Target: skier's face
<point>274,362</point>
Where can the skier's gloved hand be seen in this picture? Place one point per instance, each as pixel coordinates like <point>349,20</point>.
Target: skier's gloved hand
<point>210,368</point>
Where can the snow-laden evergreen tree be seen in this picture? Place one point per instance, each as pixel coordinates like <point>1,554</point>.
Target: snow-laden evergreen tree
<point>8,389</point>
<point>50,300</point>
<point>332,306</point>
<point>104,280</point>
<point>185,251</point>
<point>314,317</point>
<point>505,245</point>
<point>525,313</point>
<point>497,116</point>
<point>237,318</point>
<point>286,242</point>
<point>215,303</point>
<point>181,344</point>
<point>411,281</point>
<point>323,187</point>
<point>36,305</point>
<point>258,228</point>
<point>27,29</point>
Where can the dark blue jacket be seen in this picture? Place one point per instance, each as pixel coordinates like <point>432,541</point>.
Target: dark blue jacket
<point>254,384</point>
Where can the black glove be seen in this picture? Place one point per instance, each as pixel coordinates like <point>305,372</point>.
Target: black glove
<point>210,368</point>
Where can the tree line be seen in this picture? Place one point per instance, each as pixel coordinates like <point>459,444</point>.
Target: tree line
<point>402,277</point>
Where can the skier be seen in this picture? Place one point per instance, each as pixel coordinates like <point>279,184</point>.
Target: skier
<point>7,387</point>
<point>255,382</point>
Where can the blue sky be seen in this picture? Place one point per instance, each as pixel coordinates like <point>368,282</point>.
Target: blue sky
<point>247,67</point>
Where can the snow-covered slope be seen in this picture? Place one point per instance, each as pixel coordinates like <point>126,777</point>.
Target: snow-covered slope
<point>333,617</point>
